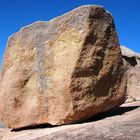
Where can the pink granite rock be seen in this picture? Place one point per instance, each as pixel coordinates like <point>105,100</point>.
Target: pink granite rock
<point>62,71</point>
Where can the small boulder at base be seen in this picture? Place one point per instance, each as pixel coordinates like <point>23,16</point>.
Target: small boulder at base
<point>62,71</point>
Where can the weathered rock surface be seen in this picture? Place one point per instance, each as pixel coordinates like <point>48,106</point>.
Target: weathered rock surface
<point>132,61</point>
<point>122,123</point>
<point>62,71</point>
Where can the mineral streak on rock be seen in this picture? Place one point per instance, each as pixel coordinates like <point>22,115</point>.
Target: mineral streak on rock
<point>62,71</point>
<point>40,60</point>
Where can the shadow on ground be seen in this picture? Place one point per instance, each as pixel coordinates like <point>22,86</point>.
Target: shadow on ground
<point>113,112</point>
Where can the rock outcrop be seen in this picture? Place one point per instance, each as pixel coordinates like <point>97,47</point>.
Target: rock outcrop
<point>122,123</point>
<point>62,71</point>
<point>132,61</point>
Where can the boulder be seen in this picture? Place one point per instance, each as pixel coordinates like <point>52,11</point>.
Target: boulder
<point>132,61</point>
<point>62,71</point>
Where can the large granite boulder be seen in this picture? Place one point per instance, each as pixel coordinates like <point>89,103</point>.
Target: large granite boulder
<point>132,61</point>
<point>62,71</point>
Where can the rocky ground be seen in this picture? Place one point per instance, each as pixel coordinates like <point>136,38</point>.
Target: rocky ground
<point>122,123</point>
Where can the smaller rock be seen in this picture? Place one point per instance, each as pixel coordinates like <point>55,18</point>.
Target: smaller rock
<point>132,62</point>
<point>130,99</point>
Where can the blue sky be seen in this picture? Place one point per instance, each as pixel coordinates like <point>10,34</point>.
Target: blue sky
<point>15,14</point>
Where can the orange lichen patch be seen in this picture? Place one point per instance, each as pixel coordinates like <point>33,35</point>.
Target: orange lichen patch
<point>43,120</point>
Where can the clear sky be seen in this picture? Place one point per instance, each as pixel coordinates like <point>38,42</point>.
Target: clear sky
<point>15,14</point>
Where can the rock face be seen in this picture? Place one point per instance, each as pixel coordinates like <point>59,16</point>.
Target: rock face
<point>122,123</point>
<point>132,61</point>
<point>62,71</point>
